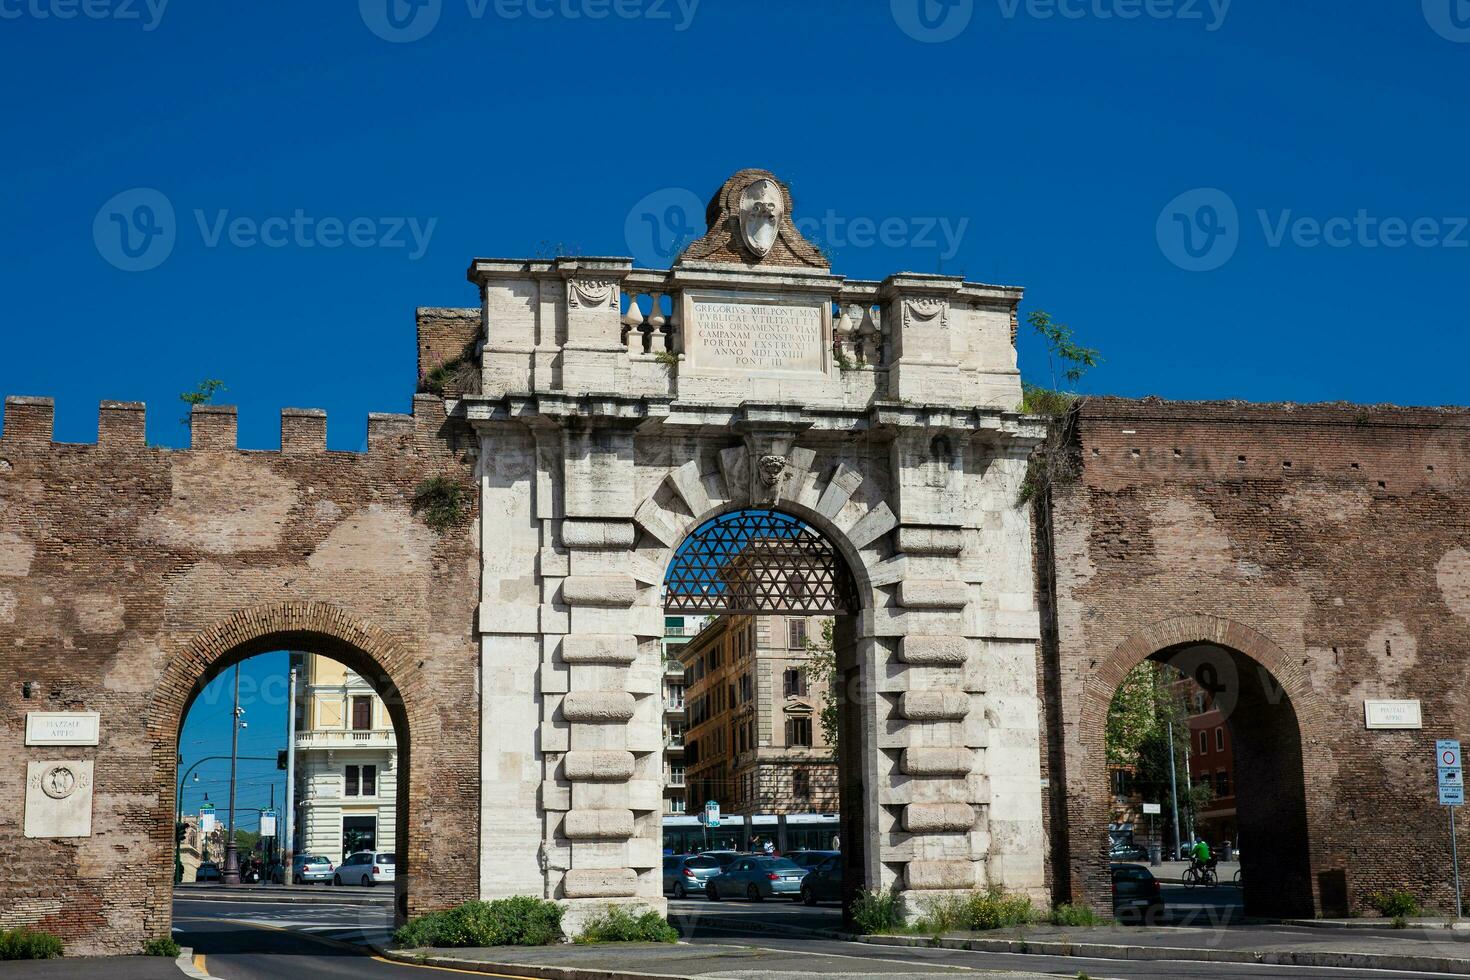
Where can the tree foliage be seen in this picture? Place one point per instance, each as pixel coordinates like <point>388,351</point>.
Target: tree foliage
<point>821,668</point>
<point>202,394</point>
<point>1138,728</point>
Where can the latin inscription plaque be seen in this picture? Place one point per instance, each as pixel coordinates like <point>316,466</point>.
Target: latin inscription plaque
<point>731,334</point>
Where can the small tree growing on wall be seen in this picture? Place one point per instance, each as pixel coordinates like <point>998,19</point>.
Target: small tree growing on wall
<point>202,394</point>
<point>821,667</point>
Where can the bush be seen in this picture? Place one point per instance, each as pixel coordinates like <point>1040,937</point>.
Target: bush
<point>163,946</point>
<point>26,944</point>
<point>443,502</point>
<point>618,925</point>
<point>1067,914</point>
<point>977,912</point>
<point>519,921</point>
<point>876,912</point>
<point>1395,904</point>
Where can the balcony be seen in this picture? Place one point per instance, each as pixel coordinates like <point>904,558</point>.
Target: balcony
<point>675,779</point>
<point>673,667</point>
<point>674,740</point>
<point>674,706</point>
<point>368,738</point>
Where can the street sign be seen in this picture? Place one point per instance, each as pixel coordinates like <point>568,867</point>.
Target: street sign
<point>1451,795</point>
<point>1149,808</point>
<point>1447,751</point>
<point>1451,777</point>
<point>267,823</point>
<point>712,814</point>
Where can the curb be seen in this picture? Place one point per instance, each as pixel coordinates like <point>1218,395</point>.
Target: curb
<point>185,963</point>
<point>1448,925</point>
<point>516,969</point>
<point>1317,958</point>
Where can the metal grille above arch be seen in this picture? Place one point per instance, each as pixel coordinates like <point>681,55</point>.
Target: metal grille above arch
<point>758,561</point>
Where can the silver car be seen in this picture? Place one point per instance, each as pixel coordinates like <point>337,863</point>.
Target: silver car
<point>757,878</point>
<point>306,868</point>
<point>687,874</point>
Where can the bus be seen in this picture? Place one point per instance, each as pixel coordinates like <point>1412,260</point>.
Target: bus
<point>687,834</point>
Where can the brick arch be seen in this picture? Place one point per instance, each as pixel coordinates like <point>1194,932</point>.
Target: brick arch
<point>390,665</point>
<point>1090,799</point>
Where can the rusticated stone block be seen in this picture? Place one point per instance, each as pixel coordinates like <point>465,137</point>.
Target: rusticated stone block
<point>934,705</point>
<point>597,534</point>
<point>597,706</point>
<point>936,761</point>
<point>599,648</point>
<point>940,875</point>
<point>935,818</point>
<point>599,590</point>
<point>598,765</point>
<point>600,883</point>
<point>932,593</point>
<point>934,650</point>
<point>599,824</point>
<point>930,540</point>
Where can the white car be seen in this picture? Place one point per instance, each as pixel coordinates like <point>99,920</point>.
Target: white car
<point>364,868</point>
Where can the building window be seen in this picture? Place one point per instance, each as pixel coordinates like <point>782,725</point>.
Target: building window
<point>794,682</point>
<point>1222,783</point>
<point>676,805</point>
<point>362,713</point>
<point>359,834</point>
<point>801,784</point>
<point>1220,740</point>
<point>369,780</point>
<point>354,785</point>
<point>799,732</point>
<point>796,628</point>
<point>1204,743</point>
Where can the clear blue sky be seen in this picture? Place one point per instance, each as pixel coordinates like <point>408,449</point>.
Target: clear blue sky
<point>1058,142</point>
<point>263,695</point>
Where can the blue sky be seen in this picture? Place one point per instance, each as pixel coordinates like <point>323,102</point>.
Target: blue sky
<point>1051,146</point>
<point>263,695</point>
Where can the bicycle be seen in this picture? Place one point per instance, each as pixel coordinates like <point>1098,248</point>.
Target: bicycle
<point>1200,875</point>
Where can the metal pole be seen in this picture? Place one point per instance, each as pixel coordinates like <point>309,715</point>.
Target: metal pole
<point>231,875</point>
<point>1455,858</point>
<point>1174,792</point>
<point>288,854</point>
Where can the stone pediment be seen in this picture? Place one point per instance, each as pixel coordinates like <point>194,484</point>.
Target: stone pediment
<point>749,224</point>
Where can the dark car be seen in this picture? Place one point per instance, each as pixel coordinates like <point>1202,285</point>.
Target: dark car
<point>208,871</point>
<point>1136,893</point>
<point>726,858</point>
<point>1128,852</point>
<point>824,882</point>
<point>809,859</point>
<point>686,874</point>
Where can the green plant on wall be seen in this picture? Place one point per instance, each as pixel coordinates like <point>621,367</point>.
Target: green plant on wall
<point>442,502</point>
<point>1053,462</point>
<point>202,394</point>
<point>821,668</point>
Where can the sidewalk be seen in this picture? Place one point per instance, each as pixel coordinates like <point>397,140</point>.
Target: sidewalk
<point>326,895</point>
<point>659,962</point>
<point>1430,946</point>
<point>1172,872</point>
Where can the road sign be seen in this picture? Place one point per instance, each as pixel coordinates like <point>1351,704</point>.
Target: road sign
<point>267,823</point>
<point>712,814</point>
<point>1451,777</point>
<point>1447,753</point>
<point>1451,795</point>
<point>1149,808</point>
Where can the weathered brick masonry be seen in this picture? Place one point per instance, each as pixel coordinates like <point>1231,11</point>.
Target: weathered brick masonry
<point>131,574</point>
<point>1328,544</point>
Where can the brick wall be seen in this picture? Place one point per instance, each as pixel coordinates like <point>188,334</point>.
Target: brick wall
<point>1329,545</point>
<point>131,574</point>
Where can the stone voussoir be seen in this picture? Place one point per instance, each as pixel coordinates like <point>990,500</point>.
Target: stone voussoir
<point>934,650</point>
<point>934,705</point>
<point>598,765</point>
<point>930,818</point>
<point>599,590</point>
<point>597,706</point>
<point>932,593</point>
<point>593,824</point>
<point>937,761</point>
<point>600,648</point>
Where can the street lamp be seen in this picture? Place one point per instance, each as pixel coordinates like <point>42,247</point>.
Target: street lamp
<point>179,801</point>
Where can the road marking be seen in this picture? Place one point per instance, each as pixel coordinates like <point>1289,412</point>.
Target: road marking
<point>450,969</point>
<point>199,964</point>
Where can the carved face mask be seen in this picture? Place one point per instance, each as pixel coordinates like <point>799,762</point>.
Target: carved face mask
<point>761,208</point>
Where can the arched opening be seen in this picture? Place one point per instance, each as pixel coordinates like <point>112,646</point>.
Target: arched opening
<point>352,748</point>
<point>765,603</point>
<point>1219,755</point>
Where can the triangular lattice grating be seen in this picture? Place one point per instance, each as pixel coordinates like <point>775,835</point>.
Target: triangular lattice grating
<point>758,561</point>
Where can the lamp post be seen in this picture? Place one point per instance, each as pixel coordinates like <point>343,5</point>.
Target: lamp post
<point>231,873</point>
<point>179,799</point>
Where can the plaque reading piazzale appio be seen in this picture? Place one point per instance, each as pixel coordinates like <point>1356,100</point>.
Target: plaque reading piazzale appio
<point>753,336</point>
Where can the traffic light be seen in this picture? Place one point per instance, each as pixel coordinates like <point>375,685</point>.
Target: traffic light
<point>281,759</point>
<point>180,829</point>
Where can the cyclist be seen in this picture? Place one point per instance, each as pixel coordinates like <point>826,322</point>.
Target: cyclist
<point>1201,861</point>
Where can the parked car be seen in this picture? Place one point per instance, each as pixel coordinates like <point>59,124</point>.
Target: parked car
<point>305,869</point>
<point>208,871</point>
<point>809,859</point>
<point>688,873</point>
<point>1128,852</point>
<point>757,878</point>
<point>824,882</point>
<point>726,858</point>
<point>1136,892</point>
<point>364,868</point>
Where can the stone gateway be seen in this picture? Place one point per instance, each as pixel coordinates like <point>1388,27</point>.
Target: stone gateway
<point>604,419</point>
